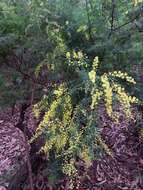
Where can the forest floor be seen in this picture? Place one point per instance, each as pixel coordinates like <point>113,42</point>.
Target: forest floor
<point>121,171</point>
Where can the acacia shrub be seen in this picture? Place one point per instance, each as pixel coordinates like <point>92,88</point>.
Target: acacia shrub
<point>70,124</point>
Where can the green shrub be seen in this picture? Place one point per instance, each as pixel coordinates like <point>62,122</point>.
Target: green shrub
<point>70,126</point>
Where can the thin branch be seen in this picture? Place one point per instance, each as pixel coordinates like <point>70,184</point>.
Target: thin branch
<point>112,17</point>
<point>126,23</point>
<point>89,21</point>
<point>91,5</point>
<point>26,75</point>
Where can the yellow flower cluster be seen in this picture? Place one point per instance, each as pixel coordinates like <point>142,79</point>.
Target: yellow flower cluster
<point>95,63</point>
<point>85,155</point>
<point>48,145</point>
<point>70,170</point>
<point>36,110</point>
<point>92,73</point>
<point>104,145</point>
<point>92,76</point>
<point>123,98</point>
<point>68,55</point>
<point>50,114</point>
<point>58,141</point>
<point>133,99</point>
<point>61,141</point>
<point>60,90</point>
<point>136,2</point>
<point>67,110</point>
<point>76,58</point>
<point>55,122</point>
<point>96,96</point>
<point>58,137</point>
<point>76,55</point>
<point>47,117</point>
<point>40,106</point>
<point>107,89</point>
<point>121,75</point>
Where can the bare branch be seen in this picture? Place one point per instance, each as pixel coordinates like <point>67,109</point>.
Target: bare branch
<point>112,17</point>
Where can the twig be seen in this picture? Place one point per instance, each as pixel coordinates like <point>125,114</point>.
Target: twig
<point>89,21</point>
<point>32,94</point>
<point>112,18</point>
<point>126,23</point>
<point>27,76</point>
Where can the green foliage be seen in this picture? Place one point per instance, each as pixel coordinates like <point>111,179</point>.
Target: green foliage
<point>103,42</point>
<point>116,39</point>
<point>29,35</point>
<point>45,30</point>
